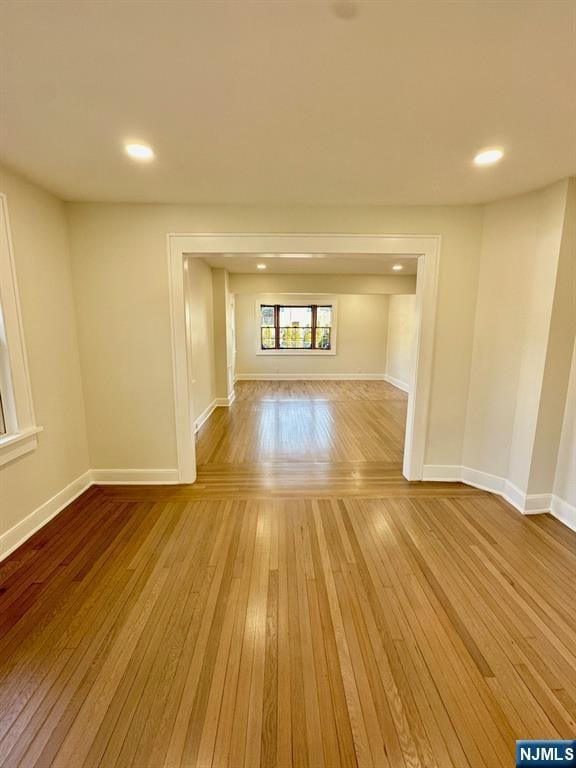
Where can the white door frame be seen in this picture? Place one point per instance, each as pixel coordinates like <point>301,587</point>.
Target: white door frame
<point>425,247</point>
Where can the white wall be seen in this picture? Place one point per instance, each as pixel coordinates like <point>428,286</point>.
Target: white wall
<point>520,257</point>
<point>200,326</point>
<point>121,276</point>
<point>360,345</point>
<point>509,259</point>
<point>43,269</point>
<point>310,283</point>
<point>565,480</point>
<point>400,339</point>
<point>558,356</point>
<point>223,334</point>
<point>231,342</point>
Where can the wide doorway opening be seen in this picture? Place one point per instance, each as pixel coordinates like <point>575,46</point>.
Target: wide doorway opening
<point>306,365</point>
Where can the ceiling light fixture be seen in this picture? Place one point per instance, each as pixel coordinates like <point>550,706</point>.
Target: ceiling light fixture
<point>397,267</point>
<point>139,151</point>
<point>260,266</point>
<point>488,157</point>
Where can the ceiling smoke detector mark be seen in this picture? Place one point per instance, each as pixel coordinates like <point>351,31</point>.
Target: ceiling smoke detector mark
<point>345,9</point>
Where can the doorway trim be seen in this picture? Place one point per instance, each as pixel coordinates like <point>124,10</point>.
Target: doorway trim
<point>425,247</point>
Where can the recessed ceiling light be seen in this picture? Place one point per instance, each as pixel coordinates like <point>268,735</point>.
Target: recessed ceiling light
<point>488,156</point>
<point>260,266</point>
<point>397,267</point>
<point>139,151</point>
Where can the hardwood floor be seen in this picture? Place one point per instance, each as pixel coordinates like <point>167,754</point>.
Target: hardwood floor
<point>324,421</point>
<point>301,605</point>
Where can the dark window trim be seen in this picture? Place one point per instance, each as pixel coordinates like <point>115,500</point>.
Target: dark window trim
<point>314,327</point>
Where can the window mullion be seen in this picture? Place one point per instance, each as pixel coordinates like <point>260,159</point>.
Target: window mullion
<point>314,324</point>
<point>277,326</point>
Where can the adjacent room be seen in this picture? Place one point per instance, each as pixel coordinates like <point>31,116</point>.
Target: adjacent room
<point>322,354</point>
<point>287,383</point>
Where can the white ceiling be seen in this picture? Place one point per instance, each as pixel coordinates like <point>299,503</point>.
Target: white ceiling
<point>315,264</point>
<point>248,101</point>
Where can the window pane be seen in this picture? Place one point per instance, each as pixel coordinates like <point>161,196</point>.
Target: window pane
<point>293,337</point>
<point>266,315</point>
<point>323,338</point>
<point>296,317</point>
<point>267,337</point>
<point>295,327</point>
<point>324,317</point>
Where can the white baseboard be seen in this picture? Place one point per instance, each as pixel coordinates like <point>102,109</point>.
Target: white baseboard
<point>454,473</point>
<point>483,480</point>
<point>205,415</point>
<point>226,402</point>
<point>22,531</point>
<point>537,503</point>
<point>442,473</point>
<point>135,476</point>
<point>396,382</point>
<point>310,377</point>
<point>527,504</point>
<point>218,402</point>
<point>564,512</point>
<point>18,534</point>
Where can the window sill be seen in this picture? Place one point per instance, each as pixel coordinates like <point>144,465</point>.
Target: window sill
<point>19,444</point>
<point>294,352</point>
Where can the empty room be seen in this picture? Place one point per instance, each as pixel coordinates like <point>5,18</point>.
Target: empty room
<point>287,383</point>
<point>311,356</point>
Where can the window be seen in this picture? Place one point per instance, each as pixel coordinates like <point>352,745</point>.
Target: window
<point>18,432</point>
<point>296,327</point>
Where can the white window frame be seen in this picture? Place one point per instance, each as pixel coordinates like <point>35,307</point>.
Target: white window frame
<point>300,301</point>
<point>21,430</point>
